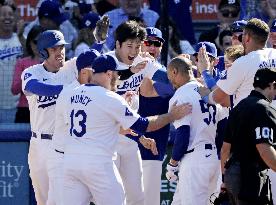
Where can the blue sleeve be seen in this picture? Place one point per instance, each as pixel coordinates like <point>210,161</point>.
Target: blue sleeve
<point>161,76</point>
<point>140,126</point>
<point>97,46</point>
<point>134,138</point>
<point>208,79</point>
<point>181,142</point>
<point>163,90</point>
<point>42,89</point>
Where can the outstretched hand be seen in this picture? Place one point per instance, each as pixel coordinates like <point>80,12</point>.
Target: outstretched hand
<point>101,29</point>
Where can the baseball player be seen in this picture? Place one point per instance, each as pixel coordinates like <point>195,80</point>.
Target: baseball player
<point>152,104</point>
<point>95,114</point>
<point>55,160</point>
<point>42,84</point>
<point>129,37</point>
<point>194,151</point>
<point>239,78</point>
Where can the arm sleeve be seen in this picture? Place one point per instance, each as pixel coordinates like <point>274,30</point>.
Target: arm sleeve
<point>232,79</point>
<point>208,79</point>
<point>42,89</point>
<point>264,125</point>
<point>181,142</point>
<point>163,90</point>
<point>97,46</point>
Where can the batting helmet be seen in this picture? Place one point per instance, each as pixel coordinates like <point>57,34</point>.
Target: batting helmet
<point>49,39</point>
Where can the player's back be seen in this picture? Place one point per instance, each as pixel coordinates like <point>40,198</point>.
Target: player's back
<point>240,76</point>
<point>94,124</point>
<point>203,119</point>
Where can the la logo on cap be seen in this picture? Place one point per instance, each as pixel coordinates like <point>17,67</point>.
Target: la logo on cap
<point>231,1</point>
<point>57,36</point>
<point>152,31</point>
<point>87,23</point>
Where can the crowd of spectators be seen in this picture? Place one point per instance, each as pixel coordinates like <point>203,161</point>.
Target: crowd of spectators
<point>77,21</point>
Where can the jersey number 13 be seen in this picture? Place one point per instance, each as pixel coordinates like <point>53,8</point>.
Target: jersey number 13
<point>78,129</point>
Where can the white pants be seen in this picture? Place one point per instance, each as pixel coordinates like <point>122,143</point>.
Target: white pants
<point>37,160</point>
<point>55,173</point>
<point>152,170</point>
<point>198,177</point>
<point>272,176</point>
<point>85,177</point>
<point>129,164</point>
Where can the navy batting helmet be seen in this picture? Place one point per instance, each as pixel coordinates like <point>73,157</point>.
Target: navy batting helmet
<point>49,39</point>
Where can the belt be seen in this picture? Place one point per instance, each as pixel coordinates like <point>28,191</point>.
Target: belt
<point>207,146</point>
<point>59,151</point>
<point>42,136</point>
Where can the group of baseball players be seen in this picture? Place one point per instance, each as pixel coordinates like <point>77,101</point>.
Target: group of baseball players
<point>100,122</point>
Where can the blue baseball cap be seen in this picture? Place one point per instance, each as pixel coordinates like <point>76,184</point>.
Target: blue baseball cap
<point>50,39</point>
<point>238,26</point>
<point>89,20</point>
<point>104,63</point>
<point>154,32</point>
<point>210,48</point>
<point>86,58</point>
<point>52,9</point>
<point>273,26</point>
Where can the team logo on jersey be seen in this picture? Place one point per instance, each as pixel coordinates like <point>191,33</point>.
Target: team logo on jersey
<point>128,112</point>
<point>131,84</point>
<point>46,101</point>
<point>27,75</point>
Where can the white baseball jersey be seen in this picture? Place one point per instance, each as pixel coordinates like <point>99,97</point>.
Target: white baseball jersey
<point>42,108</point>
<point>61,121</point>
<point>10,50</point>
<point>95,115</point>
<point>203,119</point>
<point>133,82</point>
<point>240,77</point>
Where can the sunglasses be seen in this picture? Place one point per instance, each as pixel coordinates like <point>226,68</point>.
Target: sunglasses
<point>239,37</point>
<point>226,13</point>
<point>154,43</point>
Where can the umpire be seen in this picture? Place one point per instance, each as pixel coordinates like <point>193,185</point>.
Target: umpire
<point>250,142</point>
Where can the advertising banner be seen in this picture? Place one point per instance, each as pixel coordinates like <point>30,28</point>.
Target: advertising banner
<point>14,173</point>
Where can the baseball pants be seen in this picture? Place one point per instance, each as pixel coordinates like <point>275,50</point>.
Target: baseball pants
<point>272,177</point>
<point>37,158</point>
<point>129,164</point>
<point>55,173</point>
<point>152,171</point>
<point>85,177</point>
<point>198,177</point>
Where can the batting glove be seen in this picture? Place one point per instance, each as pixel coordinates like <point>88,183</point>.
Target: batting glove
<point>171,172</point>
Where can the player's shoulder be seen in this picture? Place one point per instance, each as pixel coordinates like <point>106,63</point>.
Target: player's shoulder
<point>34,70</point>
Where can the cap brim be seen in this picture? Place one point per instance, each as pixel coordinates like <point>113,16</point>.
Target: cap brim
<point>62,42</point>
<point>273,30</point>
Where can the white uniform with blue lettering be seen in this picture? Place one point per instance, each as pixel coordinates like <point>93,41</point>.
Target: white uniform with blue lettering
<point>199,170</point>
<point>56,155</point>
<point>95,115</point>
<point>42,112</point>
<point>240,77</point>
<point>128,157</point>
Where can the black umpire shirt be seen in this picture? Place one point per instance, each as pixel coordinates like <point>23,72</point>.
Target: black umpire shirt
<point>251,122</point>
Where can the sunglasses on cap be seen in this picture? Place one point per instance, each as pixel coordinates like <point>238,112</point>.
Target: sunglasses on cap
<point>154,43</point>
<point>226,13</point>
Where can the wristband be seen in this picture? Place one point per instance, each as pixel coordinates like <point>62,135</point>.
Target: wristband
<point>208,79</point>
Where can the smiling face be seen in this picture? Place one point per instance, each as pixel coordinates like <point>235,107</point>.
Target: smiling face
<point>153,46</point>
<point>6,19</point>
<point>56,56</point>
<point>128,50</point>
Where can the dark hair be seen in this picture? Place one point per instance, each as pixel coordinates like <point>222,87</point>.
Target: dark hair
<point>174,39</point>
<point>182,65</point>
<point>32,35</point>
<point>264,77</point>
<point>129,30</point>
<point>223,34</point>
<point>258,30</point>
